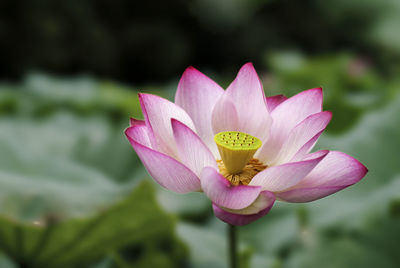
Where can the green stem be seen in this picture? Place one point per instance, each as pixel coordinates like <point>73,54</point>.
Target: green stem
<point>232,237</point>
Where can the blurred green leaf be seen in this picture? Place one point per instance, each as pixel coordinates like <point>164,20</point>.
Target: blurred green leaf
<point>350,85</point>
<point>134,221</point>
<point>44,171</point>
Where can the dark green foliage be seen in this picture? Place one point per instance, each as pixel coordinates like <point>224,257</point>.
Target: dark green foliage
<point>142,42</point>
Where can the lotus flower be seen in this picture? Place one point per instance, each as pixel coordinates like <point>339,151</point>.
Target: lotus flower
<point>242,149</point>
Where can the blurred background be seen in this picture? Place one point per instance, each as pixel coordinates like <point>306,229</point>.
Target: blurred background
<point>72,191</point>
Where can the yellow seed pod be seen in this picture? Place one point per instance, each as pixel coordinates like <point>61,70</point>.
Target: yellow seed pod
<point>236,149</point>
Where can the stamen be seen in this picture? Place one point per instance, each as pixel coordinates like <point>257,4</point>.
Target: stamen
<point>252,168</point>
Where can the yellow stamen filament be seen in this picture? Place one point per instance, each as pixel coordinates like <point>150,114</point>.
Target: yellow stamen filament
<point>253,167</point>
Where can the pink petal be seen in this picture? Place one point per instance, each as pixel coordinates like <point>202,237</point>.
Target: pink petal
<point>247,94</point>
<point>224,116</point>
<point>279,178</point>
<point>301,134</point>
<point>285,117</point>
<point>335,172</point>
<point>191,149</point>
<point>197,95</point>
<point>242,219</point>
<point>167,171</point>
<point>302,195</point>
<point>306,148</point>
<point>274,101</point>
<point>264,200</point>
<point>337,169</point>
<point>222,193</point>
<point>158,113</point>
<point>138,132</point>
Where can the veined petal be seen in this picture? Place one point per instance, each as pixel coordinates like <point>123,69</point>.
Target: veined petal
<point>158,113</point>
<point>285,117</point>
<point>335,172</point>
<point>247,94</point>
<point>279,178</point>
<point>274,101</point>
<point>264,200</point>
<point>306,148</point>
<point>301,134</point>
<point>167,171</point>
<point>223,194</point>
<point>243,219</point>
<point>197,95</point>
<point>191,149</point>
<point>138,132</point>
<point>303,195</point>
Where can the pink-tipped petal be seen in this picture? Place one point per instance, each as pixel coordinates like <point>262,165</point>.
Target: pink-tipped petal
<point>167,171</point>
<point>301,134</point>
<point>243,219</point>
<point>222,193</point>
<point>158,113</point>
<point>197,95</point>
<point>274,101</point>
<point>285,117</point>
<point>279,178</point>
<point>335,172</point>
<point>224,116</point>
<point>191,149</point>
<point>138,132</point>
<point>247,94</point>
<point>337,169</point>
<point>303,195</point>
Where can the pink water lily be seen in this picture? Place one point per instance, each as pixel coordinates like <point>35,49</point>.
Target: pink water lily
<point>242,149</point>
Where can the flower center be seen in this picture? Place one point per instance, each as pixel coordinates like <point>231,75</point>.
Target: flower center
<point>236,150</point>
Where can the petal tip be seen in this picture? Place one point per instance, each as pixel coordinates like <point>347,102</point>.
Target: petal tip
<point>249,66</point>
<point>189,70</point>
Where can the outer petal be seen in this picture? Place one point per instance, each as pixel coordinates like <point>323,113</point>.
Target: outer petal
<point>138,132</point>
<point>335,172</point>
<point>274,101</point>
<point>167,171</point>
<point>158,113</point>
<point>191,149</point>
<point>264,200</point>
<point>197,95</point>
<point>285,117</point>
<point>247,94</point>
<point>223,194</point>
<point>306,148</point>
<point>301,134</point>
<point>302,195</point>
<point>243,219</point>
<point>279,178</point>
